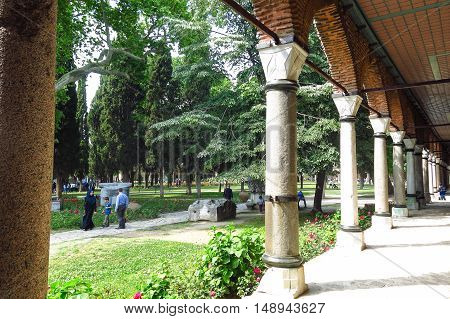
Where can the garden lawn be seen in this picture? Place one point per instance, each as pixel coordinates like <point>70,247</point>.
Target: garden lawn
<point>117,267</point>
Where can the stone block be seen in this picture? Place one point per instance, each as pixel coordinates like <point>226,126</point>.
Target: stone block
<point>399,212</point>
<point>288,283</point>
<point>214,210</point>
<point>352,242</point>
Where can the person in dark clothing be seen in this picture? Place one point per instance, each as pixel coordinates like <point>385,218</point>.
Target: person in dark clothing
<point>228,193</point>
<point>90,206</point>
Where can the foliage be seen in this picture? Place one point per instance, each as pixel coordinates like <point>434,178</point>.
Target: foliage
<point>157,287</point>
<point>72,289</point>
<point>232,264</point>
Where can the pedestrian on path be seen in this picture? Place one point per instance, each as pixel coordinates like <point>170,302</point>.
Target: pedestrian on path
<point>121,207</point>
<point>442,191</point>
<point>107,212</point>
<point>90,207</point>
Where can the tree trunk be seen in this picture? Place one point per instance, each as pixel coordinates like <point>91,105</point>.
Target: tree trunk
<point>220,187</point>
<point>198,178</point>
<point>242,185</point>
<point>126,176</point>
<point>301,180</point>
<point>27,108</point>
<point>189,183</point>
<point>146,173</point>
<point>320,182</point>
<point>59,186</point>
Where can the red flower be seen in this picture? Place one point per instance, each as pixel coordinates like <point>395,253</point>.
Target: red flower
<point>258,279</point>
<point>331,242</point>
<point>325,216</point>
<point>316,220</point>
<point>137,295</point>
<point>212,293</point>
<point>361,217</point>
<point>312,236</point>
<point>74,200</point>
<point>76,211</point>
<point>326,248</point>
<point>257,271</point>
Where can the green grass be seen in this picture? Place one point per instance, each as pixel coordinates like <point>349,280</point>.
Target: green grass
<point>117,267</point>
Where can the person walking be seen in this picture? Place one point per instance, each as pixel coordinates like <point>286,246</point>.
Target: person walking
<point>90,207</point>
<point>121,207</point>
<point>442,191</point>
<point>107,212</point>
<point>228,193</point>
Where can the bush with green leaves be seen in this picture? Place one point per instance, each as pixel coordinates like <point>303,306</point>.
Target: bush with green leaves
<point>157,287</point>
<point>72,289</point>
<point>232,262</point>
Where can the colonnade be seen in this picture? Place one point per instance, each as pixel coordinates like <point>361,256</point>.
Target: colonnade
<point>282,65</point>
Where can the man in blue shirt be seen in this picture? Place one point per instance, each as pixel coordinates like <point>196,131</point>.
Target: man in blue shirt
<point>121,207</point>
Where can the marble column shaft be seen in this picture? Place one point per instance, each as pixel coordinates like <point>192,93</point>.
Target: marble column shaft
<point>282,65</point>
<point>410,173</point>
<point>399,209</point>
<point>420,193</point>
<point>426,183</point>
<point>350,236</point>
<point>380,125</point>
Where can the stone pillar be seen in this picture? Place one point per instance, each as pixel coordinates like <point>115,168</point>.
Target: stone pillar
<point>349,237</point>
<point>285,277</point>
<point>431,176</point>
<point>411,198</point>
<point>426,183</point>
<point>420,193</point>
<point>435,182</point>
<point>382,219</point>
<point>399,209</point>
<point>27,114</point>
<point>438,176</point>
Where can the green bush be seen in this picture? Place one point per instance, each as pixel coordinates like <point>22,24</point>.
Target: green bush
<point>72,289</point>
<point>232,263</point>
<point>157,287</point>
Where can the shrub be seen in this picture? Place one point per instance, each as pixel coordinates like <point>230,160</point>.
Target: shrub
<point>72,289</point>
<point>157,287</point>
<point>232,263</point>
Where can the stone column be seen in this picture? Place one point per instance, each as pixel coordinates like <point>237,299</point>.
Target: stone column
<point>382,219</point>
<point>411,199</point>
<point>399,209</point>
<point>425,174</point>
<point>350,236</point>
<point>438,176</point>
<point>431,176</point>
<point>435,182</point>
<point>27,115</point>
<point>420,193</point>
<point>282,65</point>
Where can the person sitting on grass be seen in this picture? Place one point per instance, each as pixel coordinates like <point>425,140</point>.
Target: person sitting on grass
<point>301,197</point>
<point>107,212</point>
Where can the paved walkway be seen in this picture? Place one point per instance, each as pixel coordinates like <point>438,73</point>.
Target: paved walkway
<point>164,219</point>
<point>410,261</point>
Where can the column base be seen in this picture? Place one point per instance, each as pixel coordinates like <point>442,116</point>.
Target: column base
<point>350,241</point>
<point>381,222</point>
<point>411,203</point>
<point>283,282</point>
<point>399,212</point>
<point>422,202</point>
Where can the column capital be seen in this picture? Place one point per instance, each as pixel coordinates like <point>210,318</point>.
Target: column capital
<point>347,106</point>
<point>425,154</point>
<point>282,62</point>
<point>410,143</point>
<point>397,137</point>
<point>379,124</point>
<point>418,149</point>
<point>438,160</point>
